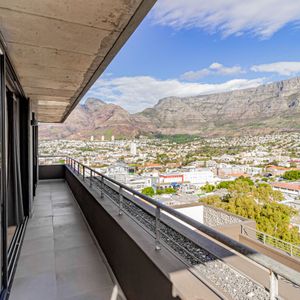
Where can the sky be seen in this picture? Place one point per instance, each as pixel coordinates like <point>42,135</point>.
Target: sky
<point>192,47</point>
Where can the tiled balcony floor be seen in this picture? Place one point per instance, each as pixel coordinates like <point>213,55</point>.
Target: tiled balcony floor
<point>59,259</point>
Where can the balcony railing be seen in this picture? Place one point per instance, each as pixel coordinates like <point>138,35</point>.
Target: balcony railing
<point>152,217</point>
<point>266,239</point>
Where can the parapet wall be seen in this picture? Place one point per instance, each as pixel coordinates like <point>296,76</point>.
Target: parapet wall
<point>216,217</point>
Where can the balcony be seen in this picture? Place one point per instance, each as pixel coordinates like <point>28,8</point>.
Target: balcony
<point>59,257</point>
<point>91,237</point>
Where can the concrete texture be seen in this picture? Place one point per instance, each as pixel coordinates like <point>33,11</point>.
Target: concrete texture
<point>59,259</point>
<point>275,253</point>
<point>59,48</point>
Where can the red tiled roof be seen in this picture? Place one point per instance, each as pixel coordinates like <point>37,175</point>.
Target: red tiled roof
<point>237,174</point>
<point>287,185</point>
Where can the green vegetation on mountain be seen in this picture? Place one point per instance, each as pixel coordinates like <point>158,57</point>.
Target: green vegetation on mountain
<point>162,159</point>
<point>260,203</point>
<point>177,138</point>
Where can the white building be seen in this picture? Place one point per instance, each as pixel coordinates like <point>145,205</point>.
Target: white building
<point>198,177</point>
<point>133,149</point>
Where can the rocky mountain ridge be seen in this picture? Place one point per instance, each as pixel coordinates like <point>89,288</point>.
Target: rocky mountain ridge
<point>266,108</point>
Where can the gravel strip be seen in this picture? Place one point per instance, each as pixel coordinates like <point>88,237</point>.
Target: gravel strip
<point>222,276</point>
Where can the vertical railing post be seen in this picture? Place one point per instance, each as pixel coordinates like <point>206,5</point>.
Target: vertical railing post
<point>91,175</point>
<point>78,168</point>
<point>83,172</point>
<point>264,238</point>
<point>273,285</point>
<point>120,200</point>
<point>291,251</point>
<point>101,187</point>
<point>157,228</point>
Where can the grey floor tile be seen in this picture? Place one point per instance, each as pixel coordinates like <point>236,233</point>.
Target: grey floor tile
<point>64,205</point>
<point>62,200</point>
<point>77,281</point>
<point>43,198</point>
<point>38,232</point>
<point>69,242</point>
<point>40,206</point>
<point>67,219</point>
<point>40,222</point>
<point>70,230</point>
<point>37,246</point>
<point>30,265</point>
<point>64,211</point>
<point>42,213</point>
<point>110,293</point>
<point>59,259</point>
<point>77,257</point>
<point>39,287</point>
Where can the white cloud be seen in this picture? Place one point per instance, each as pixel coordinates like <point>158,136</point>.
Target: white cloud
<point>229,17</point>
<point>138,93</point>
<point>213,69</point>
<point>285,68</point>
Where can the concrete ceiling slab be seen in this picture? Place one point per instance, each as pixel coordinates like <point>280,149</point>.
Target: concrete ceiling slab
<point>59,48</point>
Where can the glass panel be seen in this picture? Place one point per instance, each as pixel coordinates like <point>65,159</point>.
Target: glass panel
<point>2,99</point>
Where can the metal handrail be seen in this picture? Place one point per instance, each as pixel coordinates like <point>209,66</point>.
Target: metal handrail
<point>268,239</point>
<point>57,157</point>
<point>275,268</point>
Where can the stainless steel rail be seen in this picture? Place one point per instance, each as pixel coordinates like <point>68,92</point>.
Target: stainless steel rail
<point>274,267</point>
<point>266,239</point>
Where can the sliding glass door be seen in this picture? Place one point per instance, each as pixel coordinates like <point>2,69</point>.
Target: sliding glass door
<point>3,235</point>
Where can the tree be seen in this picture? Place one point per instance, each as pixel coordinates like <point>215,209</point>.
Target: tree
<point>169,190</point>
<point>260,203</point>
<point>292,175</point>
<point>148,191</point>
<point>208,188</point>
<point>166,191</point>
<point>224,184</point>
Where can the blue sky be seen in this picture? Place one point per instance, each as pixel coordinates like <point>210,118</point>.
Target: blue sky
<point>191,47</point>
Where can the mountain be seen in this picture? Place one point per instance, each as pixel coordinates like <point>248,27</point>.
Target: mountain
<point>96,118</point>
<point>263,109</point>
<point>266,108</point>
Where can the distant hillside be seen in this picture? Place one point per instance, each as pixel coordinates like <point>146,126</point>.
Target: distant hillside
<point>267,108</point>
<point>96,118</point>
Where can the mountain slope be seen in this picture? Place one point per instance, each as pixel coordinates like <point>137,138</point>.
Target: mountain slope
<point>96,118</point>
<point>267,107</point>
<point>264,109</point>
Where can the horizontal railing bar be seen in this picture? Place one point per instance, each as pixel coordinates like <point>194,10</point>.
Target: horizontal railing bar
<point>250,253</point>
<point>270,236</point>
